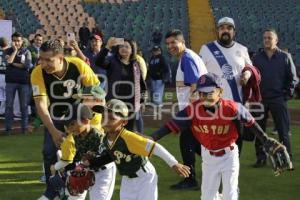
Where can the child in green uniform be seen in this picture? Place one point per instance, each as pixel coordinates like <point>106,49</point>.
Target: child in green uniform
<point>130,152</point>
<point>81,138</point>
<point>105,177</point>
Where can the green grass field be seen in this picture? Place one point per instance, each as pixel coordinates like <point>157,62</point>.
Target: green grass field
<point>294,103</point>
<point>21,167</point>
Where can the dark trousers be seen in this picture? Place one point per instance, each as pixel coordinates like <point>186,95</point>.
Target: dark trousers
<point>50,158</point>
<point>279,112</point>
<point>239,141</point>
<point>188,147</point>
<point>139,122</point>
<point>131,121</point>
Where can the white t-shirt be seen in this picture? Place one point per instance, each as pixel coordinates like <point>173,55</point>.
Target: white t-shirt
<point>190,68</point>
<point>236,56</point>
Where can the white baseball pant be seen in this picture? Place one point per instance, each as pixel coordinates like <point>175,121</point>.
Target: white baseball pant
<point>143,187</point>
<point>215,169</point>
<point>104,184</point>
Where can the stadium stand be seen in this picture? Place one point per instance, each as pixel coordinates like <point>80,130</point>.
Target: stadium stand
<point>137,19</point>
<point>252,17</point>
<point>21,15</point>
<point>121,18</point>
<point>60,17</point>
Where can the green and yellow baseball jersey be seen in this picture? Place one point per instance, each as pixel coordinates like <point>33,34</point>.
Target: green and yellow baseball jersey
<point>59,90</point>
<point>90,142</point>
<point>68,149</point>
<point>74,147</point>
<point>96,122</point>
<point>130,151</point>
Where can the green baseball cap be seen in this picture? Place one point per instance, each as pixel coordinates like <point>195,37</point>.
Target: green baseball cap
<point>114,105</point>
<point>95,91</point>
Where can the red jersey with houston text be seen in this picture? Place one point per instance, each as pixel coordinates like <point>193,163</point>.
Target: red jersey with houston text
<point>217,130</point>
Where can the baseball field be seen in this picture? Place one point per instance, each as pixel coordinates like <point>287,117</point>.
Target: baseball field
<point>21,168</point>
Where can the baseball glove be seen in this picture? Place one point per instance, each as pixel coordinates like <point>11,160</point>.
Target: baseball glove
<point>79,180</point>
<point>278,156</point>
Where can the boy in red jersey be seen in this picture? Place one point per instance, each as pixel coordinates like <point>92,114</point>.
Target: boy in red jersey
<point>213,123</point>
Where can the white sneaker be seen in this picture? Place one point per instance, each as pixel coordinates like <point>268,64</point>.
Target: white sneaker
<point>43,198</point>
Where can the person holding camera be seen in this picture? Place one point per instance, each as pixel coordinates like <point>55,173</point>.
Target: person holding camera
<point>125,81</point>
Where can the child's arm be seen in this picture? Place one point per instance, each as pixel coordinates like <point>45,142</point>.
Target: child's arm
<point>96,161</point>
<point>58,166</point>
<point>142,146</point>
<point>180,122</point>
<point>277,152</point>
<point>180,169</point>
<point>65,155</point>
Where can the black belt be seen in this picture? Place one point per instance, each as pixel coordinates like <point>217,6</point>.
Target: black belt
<point>134,175</point>
<point>100,168</point>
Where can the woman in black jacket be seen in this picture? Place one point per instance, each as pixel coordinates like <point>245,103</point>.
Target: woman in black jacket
<point>124,76</point>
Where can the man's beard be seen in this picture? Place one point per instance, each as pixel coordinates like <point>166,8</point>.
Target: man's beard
<point>225,39</point>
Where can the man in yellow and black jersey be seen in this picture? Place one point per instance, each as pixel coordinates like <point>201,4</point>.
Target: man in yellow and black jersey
<point>54,82</point>
<point>130,152</point>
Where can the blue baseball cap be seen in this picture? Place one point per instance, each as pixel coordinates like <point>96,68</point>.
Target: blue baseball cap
<point>208,82</point>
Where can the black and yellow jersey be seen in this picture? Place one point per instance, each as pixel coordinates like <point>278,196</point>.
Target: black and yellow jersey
<point>129,151</point>
<point>59,91</point>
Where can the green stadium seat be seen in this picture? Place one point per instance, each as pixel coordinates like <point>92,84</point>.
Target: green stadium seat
<point>138,19</point>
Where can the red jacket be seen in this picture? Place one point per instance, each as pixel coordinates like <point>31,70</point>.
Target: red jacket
<point>251,91</point>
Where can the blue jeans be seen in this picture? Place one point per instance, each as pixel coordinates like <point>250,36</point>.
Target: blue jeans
<point>157,88</point>
<point>23,91</point>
